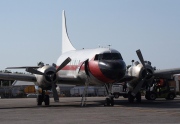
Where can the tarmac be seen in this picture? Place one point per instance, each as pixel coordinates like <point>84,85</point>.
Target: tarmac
<point>69,111</point>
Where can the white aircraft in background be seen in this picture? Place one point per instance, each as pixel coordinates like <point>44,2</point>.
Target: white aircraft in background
<point>99,66</point>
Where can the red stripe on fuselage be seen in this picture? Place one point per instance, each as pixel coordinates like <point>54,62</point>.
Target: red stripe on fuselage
<point>93,68</point>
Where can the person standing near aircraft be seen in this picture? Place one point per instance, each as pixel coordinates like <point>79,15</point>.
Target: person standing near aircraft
<point>124,86</point>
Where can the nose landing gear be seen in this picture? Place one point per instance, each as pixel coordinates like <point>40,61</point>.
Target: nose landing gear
<point>109,101</point>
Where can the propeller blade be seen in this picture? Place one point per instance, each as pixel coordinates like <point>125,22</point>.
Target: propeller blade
<point>63,64</point>
<point>139,54</point>
<point>86,67</point>
<point>138,87</point>
<point>81,65</point>
<point>55,94</point>
<point>34,71</point>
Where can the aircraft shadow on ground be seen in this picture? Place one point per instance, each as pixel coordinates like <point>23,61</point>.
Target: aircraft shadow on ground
<point>100,103</point>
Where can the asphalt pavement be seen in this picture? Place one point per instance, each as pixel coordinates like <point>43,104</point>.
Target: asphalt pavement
<point>69,111</point>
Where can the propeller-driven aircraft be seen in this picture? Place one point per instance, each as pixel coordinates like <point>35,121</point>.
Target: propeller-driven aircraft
<point>99,66</point>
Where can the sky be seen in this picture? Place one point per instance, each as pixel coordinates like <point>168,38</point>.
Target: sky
<point>30,30</point>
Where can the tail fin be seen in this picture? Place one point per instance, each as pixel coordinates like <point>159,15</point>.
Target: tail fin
<point>66,43</point>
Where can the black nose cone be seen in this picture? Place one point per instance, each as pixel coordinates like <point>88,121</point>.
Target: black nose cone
<point>114,70</point>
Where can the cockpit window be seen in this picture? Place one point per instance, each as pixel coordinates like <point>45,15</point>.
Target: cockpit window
<point>108,56</point>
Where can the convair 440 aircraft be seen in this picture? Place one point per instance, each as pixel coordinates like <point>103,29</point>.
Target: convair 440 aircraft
<point>99,66</point>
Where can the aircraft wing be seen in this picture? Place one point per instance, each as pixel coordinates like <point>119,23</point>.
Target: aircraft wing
<point>69,80</point>
<point>166,73</point>
<point>21,77</point>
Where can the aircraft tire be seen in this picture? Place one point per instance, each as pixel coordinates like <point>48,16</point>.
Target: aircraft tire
<point>138,97</point>
<point>46,99</point>
<point>130,97</point>
<point>39,100</point>
<point>108,101</point>
<point>112,102</point>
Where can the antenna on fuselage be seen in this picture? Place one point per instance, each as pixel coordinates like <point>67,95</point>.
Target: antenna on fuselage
<point>109,46</point>
<point>132,62</point>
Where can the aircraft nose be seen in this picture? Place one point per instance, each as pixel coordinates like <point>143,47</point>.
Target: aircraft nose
<point>113,70</point>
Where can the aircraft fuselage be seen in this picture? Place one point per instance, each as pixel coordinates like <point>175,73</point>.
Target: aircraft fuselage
<point>104,66</point>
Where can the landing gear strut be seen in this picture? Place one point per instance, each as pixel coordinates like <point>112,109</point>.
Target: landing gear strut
<point>84,99</point>
<point>138,97</point>
<point>42,98</point>
<point>110,97</point>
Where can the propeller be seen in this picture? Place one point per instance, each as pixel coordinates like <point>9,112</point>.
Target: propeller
<point>63,64</point>
<point>139,85</point>
<point>139,54</point>
<point>85,67</point>
<point>51,76</point>
<point>34,71</point>
<point>55,94</point>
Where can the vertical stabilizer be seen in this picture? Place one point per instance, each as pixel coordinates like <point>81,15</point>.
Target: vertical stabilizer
<point>66,43</point>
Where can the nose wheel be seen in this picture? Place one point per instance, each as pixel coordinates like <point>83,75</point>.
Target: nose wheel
<point>109,101</point>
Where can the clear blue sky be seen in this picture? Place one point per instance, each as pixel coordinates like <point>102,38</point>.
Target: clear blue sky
<point>30,30</point>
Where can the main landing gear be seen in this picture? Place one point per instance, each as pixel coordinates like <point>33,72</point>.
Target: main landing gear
<point>84,99</point>
<point>131,97</point>
<point>42,98</point>
<point>110,97</point>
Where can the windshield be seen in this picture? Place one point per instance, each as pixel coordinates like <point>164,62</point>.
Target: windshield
<point>108,56</point>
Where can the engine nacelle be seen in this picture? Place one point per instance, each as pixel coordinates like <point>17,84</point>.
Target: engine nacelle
<point>45,81</point>
<point>139,72</point>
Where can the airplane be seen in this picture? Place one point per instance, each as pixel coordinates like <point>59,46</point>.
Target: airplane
<point>99,66</point>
